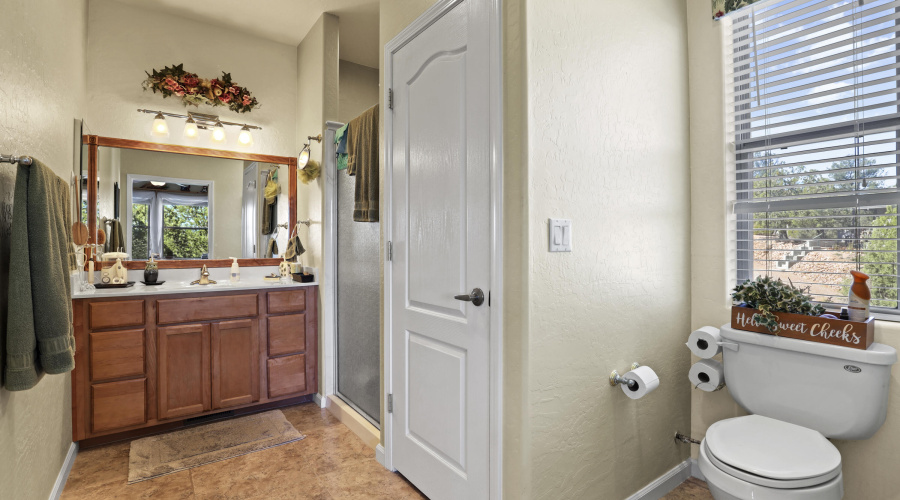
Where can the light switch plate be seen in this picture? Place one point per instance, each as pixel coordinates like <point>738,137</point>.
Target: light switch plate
<point>560,235</point>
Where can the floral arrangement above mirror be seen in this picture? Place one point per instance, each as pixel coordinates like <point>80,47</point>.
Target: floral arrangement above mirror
<point>193,90</point>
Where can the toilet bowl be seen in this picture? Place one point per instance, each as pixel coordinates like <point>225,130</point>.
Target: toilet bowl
<point>761,458</point>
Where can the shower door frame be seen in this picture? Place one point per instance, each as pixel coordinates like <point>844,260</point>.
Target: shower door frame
<point>329,283</point>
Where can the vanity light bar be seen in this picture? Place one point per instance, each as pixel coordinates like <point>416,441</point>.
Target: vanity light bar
<point>202,119</point>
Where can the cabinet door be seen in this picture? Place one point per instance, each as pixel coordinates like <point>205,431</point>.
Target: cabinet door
<point>183,370</point>
<point>235,363</point>
<point>287,375</point>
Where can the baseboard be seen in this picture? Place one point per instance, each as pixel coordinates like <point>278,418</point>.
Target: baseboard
<point>379,455</point>
<point>64,472</point>
<point>319,400</point>
<point>353,420</point>
<point>665,483</point>
<point>695,470</point>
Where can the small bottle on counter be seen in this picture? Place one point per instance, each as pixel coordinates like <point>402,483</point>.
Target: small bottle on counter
<point>858,305</point>
<point>235,270</point>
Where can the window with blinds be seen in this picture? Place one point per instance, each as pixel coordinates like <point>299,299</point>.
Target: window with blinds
<point>813,96</point>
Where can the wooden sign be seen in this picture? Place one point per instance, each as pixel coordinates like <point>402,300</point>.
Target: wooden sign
<point>853,334</point>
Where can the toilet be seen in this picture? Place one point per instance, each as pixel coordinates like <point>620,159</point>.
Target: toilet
<point>799,394</point>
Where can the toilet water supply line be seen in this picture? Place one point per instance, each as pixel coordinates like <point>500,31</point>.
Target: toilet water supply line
<point>679,437</point>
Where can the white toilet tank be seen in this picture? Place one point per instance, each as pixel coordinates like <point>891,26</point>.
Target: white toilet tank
<point>838,391</point>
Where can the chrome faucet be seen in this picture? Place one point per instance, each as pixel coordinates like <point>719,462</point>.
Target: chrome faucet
<point>204,278</point>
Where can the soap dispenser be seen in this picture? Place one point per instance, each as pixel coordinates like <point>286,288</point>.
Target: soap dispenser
<point>235,270</point>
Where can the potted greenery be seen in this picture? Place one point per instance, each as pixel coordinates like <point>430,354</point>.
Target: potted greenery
<point>770,296</point>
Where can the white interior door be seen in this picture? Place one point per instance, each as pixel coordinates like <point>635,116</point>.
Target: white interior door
<point>440,205</point>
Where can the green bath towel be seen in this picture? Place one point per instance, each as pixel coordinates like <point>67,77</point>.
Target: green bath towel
<point>39,334</point>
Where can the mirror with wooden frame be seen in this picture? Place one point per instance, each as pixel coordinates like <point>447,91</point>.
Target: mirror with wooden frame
<point>187,206</point>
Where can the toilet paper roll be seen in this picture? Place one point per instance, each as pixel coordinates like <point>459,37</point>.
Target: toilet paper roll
<point>707,375</point>
<point>704,342</point>
<point>647,382</point>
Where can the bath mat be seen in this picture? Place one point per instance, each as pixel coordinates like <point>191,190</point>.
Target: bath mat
<point>156,456</point>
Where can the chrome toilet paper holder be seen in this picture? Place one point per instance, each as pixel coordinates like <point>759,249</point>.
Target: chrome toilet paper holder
<point>616,379</point>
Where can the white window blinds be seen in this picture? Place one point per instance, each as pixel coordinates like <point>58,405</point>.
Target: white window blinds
<point>813,97</point>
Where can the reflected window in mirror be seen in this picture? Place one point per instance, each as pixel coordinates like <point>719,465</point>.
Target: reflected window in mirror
<point>169,218</point>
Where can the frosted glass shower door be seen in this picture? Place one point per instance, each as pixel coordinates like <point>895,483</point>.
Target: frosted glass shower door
<point>358,306</point>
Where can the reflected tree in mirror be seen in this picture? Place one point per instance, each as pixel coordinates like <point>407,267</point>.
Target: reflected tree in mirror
<point>140,232</point>
<point>185,232</point>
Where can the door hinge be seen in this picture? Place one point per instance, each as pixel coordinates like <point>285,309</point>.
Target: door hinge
<point>390,98</point>
<point>390,251</point>
<point>390,403</point>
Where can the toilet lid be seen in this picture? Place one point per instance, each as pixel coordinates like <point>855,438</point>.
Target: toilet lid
<point>772,449</point>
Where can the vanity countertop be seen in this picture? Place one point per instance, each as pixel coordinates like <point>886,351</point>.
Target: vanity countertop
<point>184,287</point>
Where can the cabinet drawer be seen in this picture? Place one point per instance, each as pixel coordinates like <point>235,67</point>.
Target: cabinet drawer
<point>287,334</point>
<point>287,375</point>
<point>116,405</point>
<point>289,301</point>
<point>116,314</point>
<point>206,308</point>
<point>116,354</point>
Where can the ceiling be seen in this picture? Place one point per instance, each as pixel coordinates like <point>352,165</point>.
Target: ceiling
<point>285,21</point>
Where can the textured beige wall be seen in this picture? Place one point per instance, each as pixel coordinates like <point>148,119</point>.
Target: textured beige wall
<point>317,90</point>
<point>42,83</point>
<point>869,466</point>
<point>124,41</point>
<point>608,148</point>
<point>517,476</point>
<point>359,90</point>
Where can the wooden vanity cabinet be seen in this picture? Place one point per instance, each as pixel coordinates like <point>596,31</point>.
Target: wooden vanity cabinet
<point>153,360</point>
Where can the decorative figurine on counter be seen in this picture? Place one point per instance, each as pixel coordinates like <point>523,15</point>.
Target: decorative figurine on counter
<point>151,272</point>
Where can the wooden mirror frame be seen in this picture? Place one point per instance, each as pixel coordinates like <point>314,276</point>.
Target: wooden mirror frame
<point>94,142</point>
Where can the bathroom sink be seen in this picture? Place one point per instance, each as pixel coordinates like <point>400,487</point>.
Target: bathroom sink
<point>219,284</point>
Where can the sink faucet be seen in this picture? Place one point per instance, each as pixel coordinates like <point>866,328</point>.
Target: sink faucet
<point>204,278</point>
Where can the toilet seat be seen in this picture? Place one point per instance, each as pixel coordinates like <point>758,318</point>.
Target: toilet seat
<point>771,453</point>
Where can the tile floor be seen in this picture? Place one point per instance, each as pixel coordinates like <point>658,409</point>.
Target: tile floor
<point>330,464</point>
<point>692,489</point>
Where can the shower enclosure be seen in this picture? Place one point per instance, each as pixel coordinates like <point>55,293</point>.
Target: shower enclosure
<point>357,289</point>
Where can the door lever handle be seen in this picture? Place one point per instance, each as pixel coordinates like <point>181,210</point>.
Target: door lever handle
<point>476,297</point>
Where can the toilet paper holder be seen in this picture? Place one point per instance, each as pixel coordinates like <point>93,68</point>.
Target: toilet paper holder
<point>616,379</point>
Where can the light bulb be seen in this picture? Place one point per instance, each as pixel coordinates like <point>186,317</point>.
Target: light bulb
<point>218,133</point>
<point>160,128</point>
<point>190,129</point>
<point>245,138</point>
<point>158,183</point>
<point>303,158</point>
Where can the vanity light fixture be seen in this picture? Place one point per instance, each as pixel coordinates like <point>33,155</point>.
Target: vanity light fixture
<point>218,133</point>
<point>303,157</point>
<point>158,183</point>
<point>245,138</point>
<point>191,132</point>
<point>195,122</point>
<point>160,128</point>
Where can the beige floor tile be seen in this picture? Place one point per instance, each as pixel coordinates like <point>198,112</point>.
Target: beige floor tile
<point>692,489</point>
<point>368,480</point>
<point>331,463</point>
<point>272,473</point>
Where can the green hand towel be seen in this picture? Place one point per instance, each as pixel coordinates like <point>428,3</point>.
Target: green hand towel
<point>272,248</point>
<point>362,146</point>
<point>39,333</point>
<point>294,248</point>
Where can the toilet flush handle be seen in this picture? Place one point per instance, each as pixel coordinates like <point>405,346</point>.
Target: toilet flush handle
<point>734,346</point>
